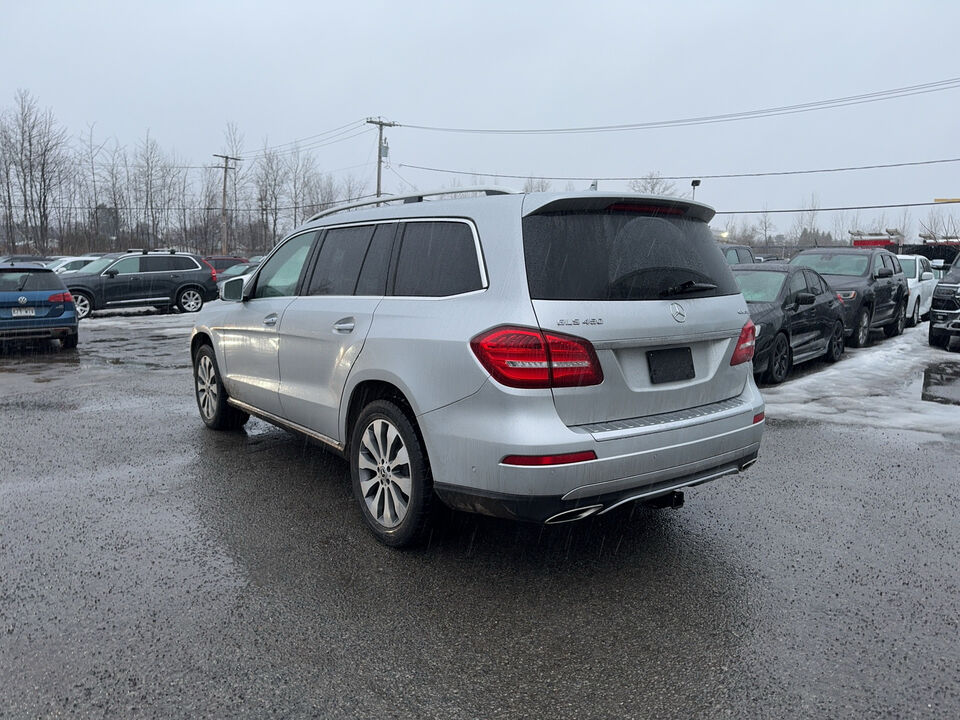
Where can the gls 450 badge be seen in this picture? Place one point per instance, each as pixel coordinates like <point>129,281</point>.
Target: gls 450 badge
<point>584,321</point>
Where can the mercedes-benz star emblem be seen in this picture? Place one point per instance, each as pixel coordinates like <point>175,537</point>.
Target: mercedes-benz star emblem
<point>22,299</point>
<point>679,314</point>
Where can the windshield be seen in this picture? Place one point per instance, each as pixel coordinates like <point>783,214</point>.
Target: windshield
<point>828,263</point>
<point>622,255</point>
<point>953,274</point>
<point>241,269</point>
<point>98,266</point>
<point>909,267</point>
<point>759,286</point>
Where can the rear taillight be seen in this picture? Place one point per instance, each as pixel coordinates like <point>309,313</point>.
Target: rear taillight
<point>213,270</point>
<point>528,358</point>
<point>542,460</point>
<point>745,344</point>
<point>63,297</point>
<point>840,298</point>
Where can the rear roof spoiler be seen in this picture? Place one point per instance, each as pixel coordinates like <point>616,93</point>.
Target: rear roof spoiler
<point>539,204</point>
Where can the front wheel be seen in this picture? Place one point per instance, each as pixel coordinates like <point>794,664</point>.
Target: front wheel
<point>937,338</point>
<point>835,346</point>
<point>216,413</point>
<point>83,304</point>
<point>190,300</point>
<point>779,359</point>
<point>915,316</point>
<point>861,331</point>
<point>69,342</point>
<point>894,328</point>
<point>390,473</point>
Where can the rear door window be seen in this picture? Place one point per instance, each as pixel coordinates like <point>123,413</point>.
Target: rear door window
<point>376,265</point>
<point>745,256</point>
<point>437,259</point>
<point>339,261</point>
<point>622,255</point>
<point>154,263</point>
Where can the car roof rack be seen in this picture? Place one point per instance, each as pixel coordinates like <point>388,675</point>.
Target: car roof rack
<point>415,198</point>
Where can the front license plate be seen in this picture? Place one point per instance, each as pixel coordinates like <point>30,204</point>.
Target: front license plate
<point>23,312</point>
<point>670,365</point>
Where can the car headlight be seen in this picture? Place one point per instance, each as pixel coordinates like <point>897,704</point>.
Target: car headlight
<point>847,294</point>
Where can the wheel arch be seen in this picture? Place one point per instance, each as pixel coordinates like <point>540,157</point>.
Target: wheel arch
<point>365,392</point>
<point>188,286</point>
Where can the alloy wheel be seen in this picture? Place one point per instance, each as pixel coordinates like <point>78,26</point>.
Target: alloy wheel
<point>385,480</point>
<point>190,300</point>
<point>863,329</point>
<point>208,391</point>
<point>82,305</point>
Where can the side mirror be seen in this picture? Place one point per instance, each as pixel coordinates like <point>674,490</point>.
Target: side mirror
<point>885,272</point>
<point>926,276</point>
<point>805,298</point>
<point>232,290</point>
<point>111,273</point>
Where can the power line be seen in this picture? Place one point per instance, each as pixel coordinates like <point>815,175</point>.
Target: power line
<point>309,138</point>
<point>872,97</point>
<point>342,136</point>
<point>702,176</point>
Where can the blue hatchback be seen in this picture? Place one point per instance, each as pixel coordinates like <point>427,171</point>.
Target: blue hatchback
<point>35,304</point>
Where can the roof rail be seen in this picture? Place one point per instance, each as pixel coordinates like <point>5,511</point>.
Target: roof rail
<point>415,197</point>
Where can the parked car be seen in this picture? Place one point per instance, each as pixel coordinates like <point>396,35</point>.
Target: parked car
<point>32,259</point>
<point>222,262</point>
<point>871,283</point>
<point>239,270</point>
<point>69,264</point>
<point>921,281</point>
<point>138,278</point>
<point>797,316</point>
<point>35,304</point>
<point>737,254</point>
<point>545,357</point>
<point>945,310</point>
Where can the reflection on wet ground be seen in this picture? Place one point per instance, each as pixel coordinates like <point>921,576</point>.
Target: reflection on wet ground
<point>941,383</point>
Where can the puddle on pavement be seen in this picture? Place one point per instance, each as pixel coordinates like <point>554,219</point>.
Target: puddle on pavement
<point>941,383</point>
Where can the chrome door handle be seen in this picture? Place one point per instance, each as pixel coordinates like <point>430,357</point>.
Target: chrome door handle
<point>346,325</point>
<point>270,320</point>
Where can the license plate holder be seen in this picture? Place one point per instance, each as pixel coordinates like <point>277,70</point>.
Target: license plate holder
<point>23,312</point>
<point>670,365</point>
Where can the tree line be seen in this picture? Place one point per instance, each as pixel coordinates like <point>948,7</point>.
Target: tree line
<point>61,194</point>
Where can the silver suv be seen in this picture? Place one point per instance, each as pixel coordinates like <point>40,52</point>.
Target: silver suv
<point>544,357</point>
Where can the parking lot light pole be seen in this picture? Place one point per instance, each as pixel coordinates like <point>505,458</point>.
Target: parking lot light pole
<point>694,184</point>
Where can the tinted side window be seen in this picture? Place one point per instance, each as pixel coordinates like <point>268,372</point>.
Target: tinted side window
<point>896,263</point>
<point>339,261</point>
<point>745,255</point>
<point>437,259</point>
<point>797,284</point>
<point>877,263</point>
<point>154,263</point>
<point>815,284</point>
<point>181,263</point>
<point>281,273</point>
<point>127,265</point>
<point>730,255</point>
<point>373,275</point>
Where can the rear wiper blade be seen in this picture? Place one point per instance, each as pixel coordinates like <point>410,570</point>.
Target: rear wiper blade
<point>690,286</point>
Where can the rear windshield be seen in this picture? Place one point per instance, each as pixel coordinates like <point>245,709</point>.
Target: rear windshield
<point>828,263</point>
<point>27,280</point>
<point>617,255</point>
<point>759,286</point>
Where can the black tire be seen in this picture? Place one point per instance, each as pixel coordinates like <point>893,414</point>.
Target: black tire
<point>382,482</point>
<point>861,329</point>
<point>69,342</point>
<point>211,396</point>
<point>83,304</point>
<point>895,326</point>
<point>835,344</point>
<point>190,299</point>
<point>779,366</point>
<point>937,338</point>
<point>915,315</point>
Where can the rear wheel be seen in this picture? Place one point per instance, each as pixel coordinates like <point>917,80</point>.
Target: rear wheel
<point>211,396</point>
<point>390,473</point>
<point>190,300</point>
<point>861,330</point>
<point>69,342</point>
<point>915,315</point>
<point>83,304</point>
<point>937,338</point>
<point>779,359</point>
<point>835,345</point>
<point>895,327</point>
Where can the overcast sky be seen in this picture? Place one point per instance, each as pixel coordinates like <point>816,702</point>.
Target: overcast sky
<point>284,71</point>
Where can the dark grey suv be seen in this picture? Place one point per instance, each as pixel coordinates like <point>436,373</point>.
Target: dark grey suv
<point>137,278</point>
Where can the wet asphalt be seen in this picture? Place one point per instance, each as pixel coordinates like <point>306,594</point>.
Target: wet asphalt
<point>152,568</point>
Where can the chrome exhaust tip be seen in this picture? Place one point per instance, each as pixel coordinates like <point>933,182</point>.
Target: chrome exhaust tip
<point>575,514</point>
<point>747,464</point>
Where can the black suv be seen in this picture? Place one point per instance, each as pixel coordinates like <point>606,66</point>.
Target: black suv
<point>135,278</point>
<point>871,284</point>
<point>945,310</point>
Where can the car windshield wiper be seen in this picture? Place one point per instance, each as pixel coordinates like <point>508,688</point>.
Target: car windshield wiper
<point>690,286</point>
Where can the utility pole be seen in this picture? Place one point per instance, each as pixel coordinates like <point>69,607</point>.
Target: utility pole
<point>223,207</point>
<point>381,124</point>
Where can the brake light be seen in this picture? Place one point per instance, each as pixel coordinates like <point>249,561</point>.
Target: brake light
<point>527,358</point>
<point>63,297</point>
<point>213,270</point>
<point>745,344</point>
<point>840,298</point>
<point>654,209</point>
<point>541,460</point>
<point>758,418</point>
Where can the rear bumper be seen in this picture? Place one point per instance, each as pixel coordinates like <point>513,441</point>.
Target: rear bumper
<point>39,328</point>
<point>467,441</point>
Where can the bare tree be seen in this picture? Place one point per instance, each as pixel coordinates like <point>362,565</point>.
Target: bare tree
<point>765,225</point>
<point>534,184</point>
<point>653,184</point>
